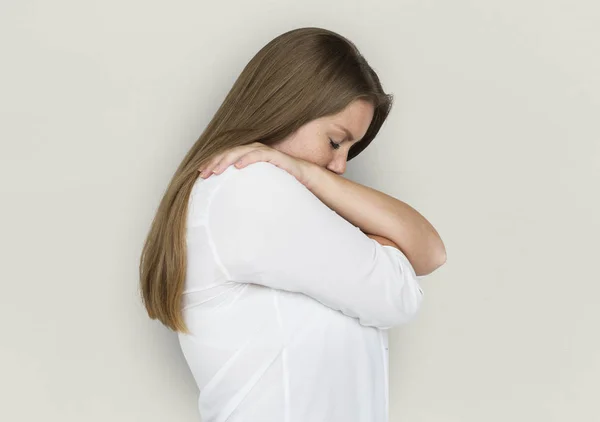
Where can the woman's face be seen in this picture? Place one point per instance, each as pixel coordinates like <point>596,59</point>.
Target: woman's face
<point>325,142</point>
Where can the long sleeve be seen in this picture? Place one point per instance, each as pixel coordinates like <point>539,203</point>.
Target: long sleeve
<point>269,229</point>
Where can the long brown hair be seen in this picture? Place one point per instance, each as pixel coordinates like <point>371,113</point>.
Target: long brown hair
<point>299,76</point>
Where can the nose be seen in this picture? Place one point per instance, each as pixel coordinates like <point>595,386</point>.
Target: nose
<point>338,165</point>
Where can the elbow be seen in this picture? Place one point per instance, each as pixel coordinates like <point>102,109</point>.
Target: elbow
<point>442,257</point>
<point>436,257</point>
<point>426,268</point>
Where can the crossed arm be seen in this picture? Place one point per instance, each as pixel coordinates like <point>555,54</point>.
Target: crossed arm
<point>381,217</point>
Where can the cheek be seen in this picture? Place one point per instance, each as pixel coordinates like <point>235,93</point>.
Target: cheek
<point>322,154</point>
<point>314,149</point>
<point>310,143</point>
<point>317,155</point>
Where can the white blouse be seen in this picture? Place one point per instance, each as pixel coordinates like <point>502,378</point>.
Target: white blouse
<point>288,303</point>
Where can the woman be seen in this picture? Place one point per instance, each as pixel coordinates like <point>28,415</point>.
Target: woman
<point>280,276</point>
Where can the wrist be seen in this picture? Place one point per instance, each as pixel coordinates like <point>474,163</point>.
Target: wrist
<point>312,174</point>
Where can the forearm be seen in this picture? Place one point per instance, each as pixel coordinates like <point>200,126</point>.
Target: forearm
<point>376,213</point>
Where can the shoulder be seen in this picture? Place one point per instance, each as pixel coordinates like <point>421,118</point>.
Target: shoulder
<point>259,177</point>
<point>262,187</point>
<point>253,200</point>
<point>256,176</point>
<point>260,169</point>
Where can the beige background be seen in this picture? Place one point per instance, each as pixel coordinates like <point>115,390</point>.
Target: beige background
<point>495,138</point>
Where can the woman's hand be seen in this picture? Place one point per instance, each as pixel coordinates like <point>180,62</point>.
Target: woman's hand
<point>255,152</point>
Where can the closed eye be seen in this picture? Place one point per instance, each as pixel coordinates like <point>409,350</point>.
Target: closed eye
<point>334,145</point>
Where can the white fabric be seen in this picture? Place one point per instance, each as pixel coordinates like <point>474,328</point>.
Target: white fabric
<point>288,303</point>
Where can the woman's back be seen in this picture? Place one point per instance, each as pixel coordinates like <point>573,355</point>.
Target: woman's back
<point>287,303</point>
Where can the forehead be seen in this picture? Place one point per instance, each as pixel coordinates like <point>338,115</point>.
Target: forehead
<point>356,117</point>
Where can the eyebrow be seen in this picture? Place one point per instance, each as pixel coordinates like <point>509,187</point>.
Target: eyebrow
<point>348,134</point>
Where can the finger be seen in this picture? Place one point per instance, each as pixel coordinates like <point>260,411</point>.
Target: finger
<point>256,156</point>
<point>210,163</point>
<point>209,169</point>
<point>228,159</point>
<point>236,154</point>
<point>220,162</point>
<point>206,169</point>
